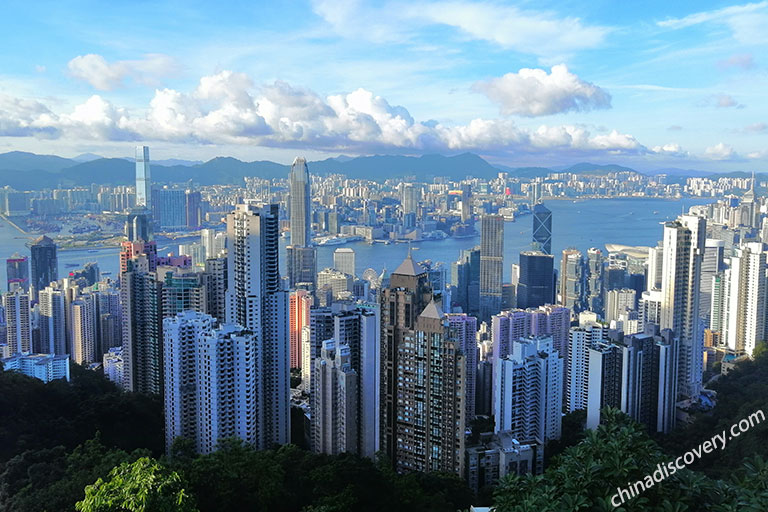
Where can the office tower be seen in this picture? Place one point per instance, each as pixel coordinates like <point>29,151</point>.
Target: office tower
<point>582,339</point>
<point>302,267</point>
<point>683,251</point>
<point>193,209</point>
<point>210,380</point>
<point>614,277</point>
<point>112,362</point>
<point>491,265</point>
<point>464,331</point>
<point>422,395</point>
<point>746,298</point>
<point>617,301</point>
<point>138,226</point>
<point>182,290</point>
<point>528,390</point>
<point>84,330</point>
<point>53,320</point>
<point>335,422</point>
<point>655,266</point>
<point>256,302</point>
<point>44,367</point>
<point>338,281</point>
<point>595,280</point>
<point>466,202</point>
<point>344,260</point>
<point>536,283</point>
<point>572,280</point>
<point>711,264</point>
<point>44,265</point>
<point>141,301</point>
<point>143,178</point>
<point>300,200</point>
<point>17,272</point>
<point>169,208</point>
<point>215,279</point>
<point>465,278</point>
<point>299,304</point>
<point>410,197</point>
<point>542,229</point>
<point>357,327</point>
<point>17,322</point>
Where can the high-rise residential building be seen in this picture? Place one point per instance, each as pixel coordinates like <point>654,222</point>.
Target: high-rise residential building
<point>17,322</point>
<point>491,265</point>
<point>582,339</point>
<point>44,265</point>
<point>617,301</point>
<point>53,320</point>
<point>45,367</point>
<point>680,285</point>
<point>335,420</point>
<point>213,242</point>
<point>109,320</point>
<point>572,280</point>
<point>595,280</point>
<point>464,331</point>
<point>344,260</point>
<point>528,390</point>
<point>143,178</point>
<point>215,279</point>
<point>210,379</point>
<point>650,308</point>
<point>84,330</point>
<point>17,272</point>
<point>542,229</point>
<point>182,290</point>
<point>130,249</point>
<point>422,375</point>
<point>719,305</point>
<point>536,283</point>
<point>256,302</point>
<point>655,266</point>
<point>410,197</point>
<point>711,264</point>
<point>299,304</point>
<point>141,314</point>
<point>746,298</point>
<point>112,362</point>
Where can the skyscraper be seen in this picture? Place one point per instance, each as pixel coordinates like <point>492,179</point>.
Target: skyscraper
<point>143,178</point>
<point>711,264</point>
<point>536,284</point>
<point>45,265</point>
<point>746,298</point>
<point>572,280</point>
<point>17,272</point>
<point>169,208</point>
<point>344,260</point>
<point>256,302</point>
<point>491,265</point>
<point>680,285</point>
<point>595,281</point>
<point>542,229</point>
<point>422,395</point>
<point>193,207</point>
<point>84,329</point>
<point>53,320</point>
<point>301,255</point>
<point>17,321</point>
<point>464,331</point>
<point>138,226</point>
<point>300,302</point>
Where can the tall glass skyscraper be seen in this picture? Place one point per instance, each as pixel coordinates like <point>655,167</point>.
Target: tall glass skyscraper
<point>45,265</point>
<point>301,255</point>
<point>536,285</point>
<point>491,265</point>
<point>17,272</point>
<point>143,178</point>
<point>542,229</point>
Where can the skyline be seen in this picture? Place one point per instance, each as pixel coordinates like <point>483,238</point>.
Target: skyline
<point>544,86</point>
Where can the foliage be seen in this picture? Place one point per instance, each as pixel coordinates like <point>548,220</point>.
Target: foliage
<point>142,486</point>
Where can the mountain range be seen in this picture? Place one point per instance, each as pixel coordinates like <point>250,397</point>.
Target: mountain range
<point>29,171</point>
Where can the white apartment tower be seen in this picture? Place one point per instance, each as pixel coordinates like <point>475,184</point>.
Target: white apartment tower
<point>680,286</point>
<point>256,302</point>
<point>746,298</point>
<point>18,327</point>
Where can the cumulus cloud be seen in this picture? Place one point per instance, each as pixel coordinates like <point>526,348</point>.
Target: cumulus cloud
<point>720,151</point>
<point>671,149</point>
<point>106,76</point>
<point>227,108</point>
<point>534,92</point>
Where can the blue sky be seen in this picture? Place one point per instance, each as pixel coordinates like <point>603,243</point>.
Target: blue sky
<point>651,85</point>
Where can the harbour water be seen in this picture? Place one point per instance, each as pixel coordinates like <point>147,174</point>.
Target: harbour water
<point>579,224</point>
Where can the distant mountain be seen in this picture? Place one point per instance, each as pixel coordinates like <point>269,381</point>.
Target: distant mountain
<point>588,168</point>
<point>381,167</point>
<point>169,162</point>
<point>22,161</point>
<point>87,157</point>
<point>674,171</point>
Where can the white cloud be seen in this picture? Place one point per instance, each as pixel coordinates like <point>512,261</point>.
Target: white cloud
<point>720,151</point>
<point>746,22</point>
<point>671,149</point>
<point>541,33</point>
<point>226,108</point>
<point>756,128</point>
<point>534,92</point>
<point>106,76</point>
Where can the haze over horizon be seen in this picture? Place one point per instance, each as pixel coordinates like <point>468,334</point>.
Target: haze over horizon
<point>650,86</point>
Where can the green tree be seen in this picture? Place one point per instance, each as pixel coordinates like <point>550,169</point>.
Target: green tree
<point>143,486</point>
